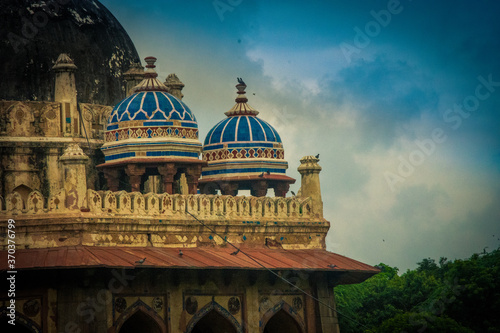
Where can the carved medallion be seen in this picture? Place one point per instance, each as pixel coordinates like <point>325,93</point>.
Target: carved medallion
<point>265,304</point>
<point>51,114</point>
<point>297,303</point>
<point>31,308</point>
<point>234,305</point>
<point>87,116</point>
<point>120,304</point>
<point>191,305</point>
<point>157,304</point>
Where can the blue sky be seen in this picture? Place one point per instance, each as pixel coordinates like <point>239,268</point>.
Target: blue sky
<point>400,98</point>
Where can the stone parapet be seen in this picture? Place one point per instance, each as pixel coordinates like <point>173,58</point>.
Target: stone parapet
<point>162,220</point>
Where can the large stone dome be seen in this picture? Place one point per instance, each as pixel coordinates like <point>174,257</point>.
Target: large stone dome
<point>33,35</point>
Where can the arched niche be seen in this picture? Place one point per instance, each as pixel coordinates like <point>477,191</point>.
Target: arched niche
<point>24,191</point>
<point>213,318</point>
<point>282,318</point>
<point>140,318</point>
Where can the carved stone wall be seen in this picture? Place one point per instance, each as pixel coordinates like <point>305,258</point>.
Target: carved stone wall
<point>31,141</point>
<point>133,219</point>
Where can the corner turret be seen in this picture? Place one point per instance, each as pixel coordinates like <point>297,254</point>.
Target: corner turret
<point>174,85</point>
<point>65,93</point>
<point>310,187</point>
<point>74,177</point>
<point>133,77</point>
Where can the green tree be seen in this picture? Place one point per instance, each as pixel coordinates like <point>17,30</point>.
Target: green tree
<point>411,322</point>
<point>454,296</point>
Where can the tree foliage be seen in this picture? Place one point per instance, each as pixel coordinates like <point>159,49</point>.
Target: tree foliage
<point>448,296</point>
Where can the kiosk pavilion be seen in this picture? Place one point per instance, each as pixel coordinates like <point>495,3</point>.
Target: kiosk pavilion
<point>126,222</point>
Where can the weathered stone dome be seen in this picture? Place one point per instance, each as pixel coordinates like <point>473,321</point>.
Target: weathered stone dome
<point>33,35</point>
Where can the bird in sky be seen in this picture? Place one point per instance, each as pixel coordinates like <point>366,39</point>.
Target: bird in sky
<point>235,252</point>
<point>140,261</point>
<point>317,156</point>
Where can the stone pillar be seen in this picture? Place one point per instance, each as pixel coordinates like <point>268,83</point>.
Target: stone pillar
<point>112,178</point>
<point>209,188</point>
<point>167,173</point>
<point>74,176</point>
<point>259,188</point>
<point>133,77</point>
<point>174,86</point>
<point>134,173</point>
<point>227,188</point>
<point>281,189</point>
<point>328,317</point>
<point>53,173</point>
<point>193,174</point>
<point>309,187</point>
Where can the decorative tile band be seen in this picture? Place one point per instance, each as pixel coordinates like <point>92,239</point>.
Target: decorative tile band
<point>148,144</point>
<point>151,132</point>
<point>242,170</point>
<point>169,153</point>
<point>226,154</point>
<point>118,156</point>
<point>253,144</point>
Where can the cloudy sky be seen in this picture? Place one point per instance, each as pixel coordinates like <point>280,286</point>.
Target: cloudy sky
<point>401,99</point>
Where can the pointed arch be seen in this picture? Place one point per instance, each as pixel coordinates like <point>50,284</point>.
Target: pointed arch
<point>214,311</point>
<point>140,315</point>
<point>23,323</point>
<point>282,318</point>
<point>24,191</point>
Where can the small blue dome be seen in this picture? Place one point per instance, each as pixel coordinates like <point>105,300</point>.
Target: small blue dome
<point>242,145</point>
<point>154,107</point>
<point>241,129</point>
<point>151,125</point>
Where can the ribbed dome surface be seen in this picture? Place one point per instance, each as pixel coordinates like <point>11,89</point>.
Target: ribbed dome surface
<point>242,128</point>
<point>151,106</point>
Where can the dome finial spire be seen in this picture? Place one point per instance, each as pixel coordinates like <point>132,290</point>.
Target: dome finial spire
<point>150,82</point>
<point>150,72</point>
<point>241,108</point>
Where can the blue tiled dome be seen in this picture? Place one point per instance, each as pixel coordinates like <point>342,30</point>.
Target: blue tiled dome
<point>242,145</point>
<point>150,124</point>
<point>242,128</point>
<point>152,107</point>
